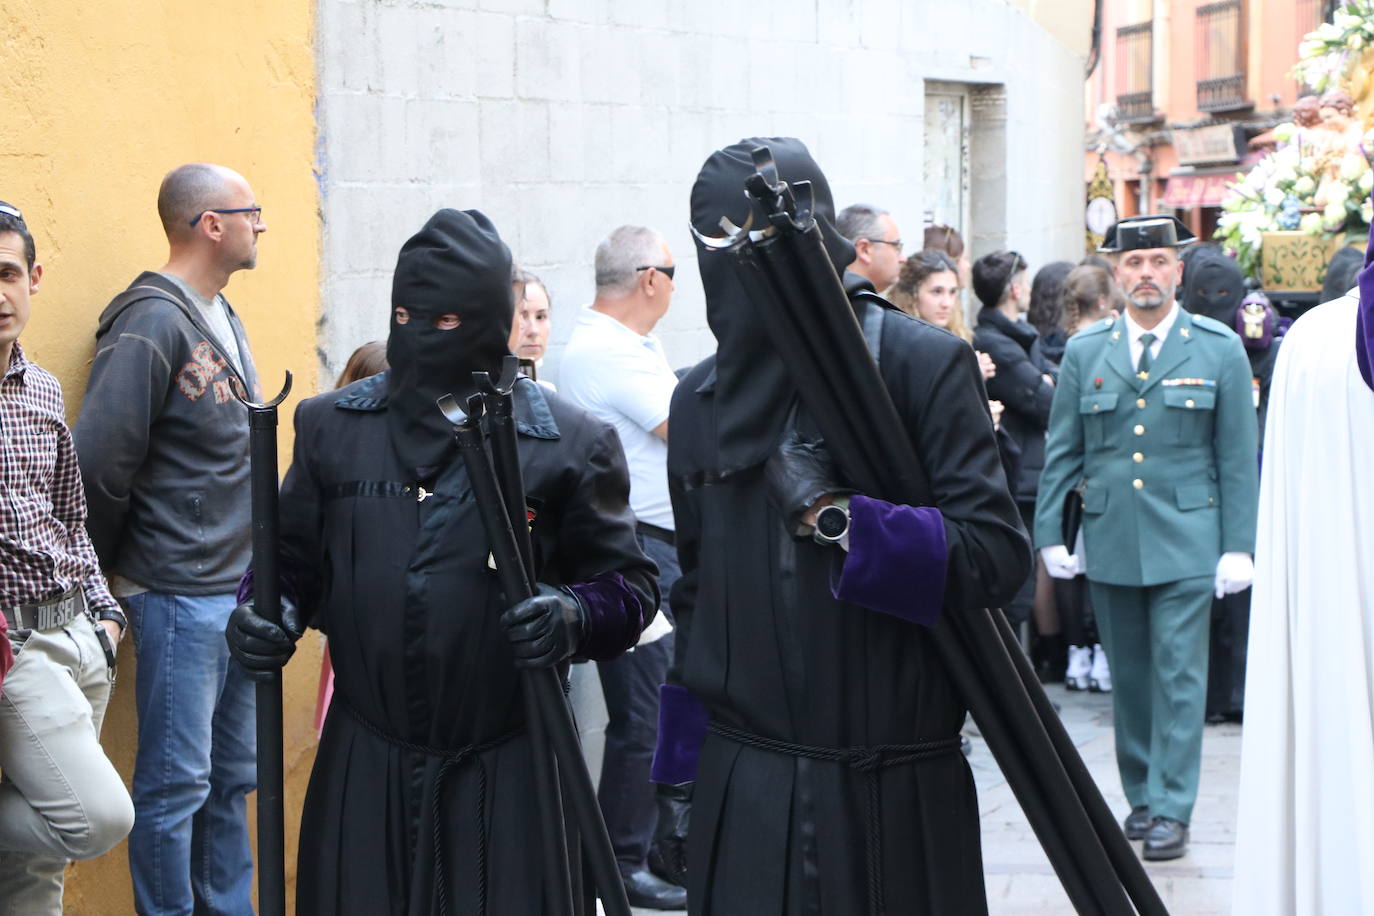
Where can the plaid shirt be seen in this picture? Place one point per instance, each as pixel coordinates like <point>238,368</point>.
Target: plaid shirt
<point>44,548</point>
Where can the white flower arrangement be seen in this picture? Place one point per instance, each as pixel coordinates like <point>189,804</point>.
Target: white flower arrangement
<point>1324,54</point>
<point>1314,182</point>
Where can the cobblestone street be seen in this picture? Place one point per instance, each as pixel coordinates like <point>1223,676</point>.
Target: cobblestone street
<point>1019,877</point>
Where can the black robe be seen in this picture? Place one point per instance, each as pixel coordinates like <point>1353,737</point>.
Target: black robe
<point>767,649</point>
<point>402,588</point>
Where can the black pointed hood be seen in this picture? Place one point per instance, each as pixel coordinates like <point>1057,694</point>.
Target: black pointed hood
<point>1212,285</point>
<point>753,391</point>
<point>457,264</point>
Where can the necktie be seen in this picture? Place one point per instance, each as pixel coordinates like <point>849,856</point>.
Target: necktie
<point>1142,368</point>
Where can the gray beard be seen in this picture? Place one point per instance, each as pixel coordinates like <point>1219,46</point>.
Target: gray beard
<point>1148,305</point>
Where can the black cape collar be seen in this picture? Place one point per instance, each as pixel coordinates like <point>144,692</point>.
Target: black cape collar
<point>532,414</point>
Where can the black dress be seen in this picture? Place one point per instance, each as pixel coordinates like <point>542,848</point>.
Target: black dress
<point>425,683</point>
<point>768,650</point>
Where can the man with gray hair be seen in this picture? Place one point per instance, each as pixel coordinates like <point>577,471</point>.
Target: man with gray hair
<point>615,369</point>
<point>877,244</point>
<point>163,447</point>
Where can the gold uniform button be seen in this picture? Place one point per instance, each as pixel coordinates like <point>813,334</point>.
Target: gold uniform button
<point>1138,457</point>
<point>1139,430</point>
<point>1140,402</point>
<point>1138,484</point>
<point>1190,403</point>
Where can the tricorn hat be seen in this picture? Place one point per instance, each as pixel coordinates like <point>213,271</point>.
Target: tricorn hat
<point>1136,232</point>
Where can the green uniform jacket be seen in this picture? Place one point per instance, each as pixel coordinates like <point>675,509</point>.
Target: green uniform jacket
<point>1168,465</point>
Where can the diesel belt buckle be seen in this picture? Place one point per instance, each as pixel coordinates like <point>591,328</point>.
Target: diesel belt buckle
<point>55,614</point>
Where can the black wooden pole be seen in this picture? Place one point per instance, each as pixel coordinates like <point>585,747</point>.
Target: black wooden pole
<point>542,683</point>
<point>262,446</point>
<point>497,400</point>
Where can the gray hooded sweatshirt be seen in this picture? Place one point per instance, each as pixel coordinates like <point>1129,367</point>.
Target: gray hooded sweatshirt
<point>163,444</point>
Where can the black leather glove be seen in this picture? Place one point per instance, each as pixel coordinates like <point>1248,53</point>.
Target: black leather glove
<point>668,854</point>
<point>800,472</point>
<point>260,646</point>
<point>545,628</point>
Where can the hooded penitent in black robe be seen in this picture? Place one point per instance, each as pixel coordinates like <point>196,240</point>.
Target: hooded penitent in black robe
<point>383,546</point>
<point>1214,286</point>
<point>768,650</point>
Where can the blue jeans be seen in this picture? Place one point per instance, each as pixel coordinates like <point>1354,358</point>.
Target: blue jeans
<point>197,759</point>
<point>630,685</point>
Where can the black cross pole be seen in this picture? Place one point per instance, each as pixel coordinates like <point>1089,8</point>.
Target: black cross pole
<point>262,450</point>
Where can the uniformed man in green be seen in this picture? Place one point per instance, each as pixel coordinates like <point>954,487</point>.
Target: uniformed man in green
<point>1153,428</point>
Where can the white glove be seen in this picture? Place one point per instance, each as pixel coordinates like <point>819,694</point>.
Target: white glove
<point>1235,573</point>
<point>1059,563</point>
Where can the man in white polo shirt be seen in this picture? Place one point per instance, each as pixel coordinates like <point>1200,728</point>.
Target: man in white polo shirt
<point>614,368</point>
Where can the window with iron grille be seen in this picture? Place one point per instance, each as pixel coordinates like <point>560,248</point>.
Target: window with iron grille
<point>1221,56</point>
<point>1135,72</point>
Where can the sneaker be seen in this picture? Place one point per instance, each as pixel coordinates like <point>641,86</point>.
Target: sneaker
<point>1077,675</point>
<point>1101,675</point>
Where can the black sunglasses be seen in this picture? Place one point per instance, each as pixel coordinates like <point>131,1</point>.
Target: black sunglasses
<point>666,271</point>
<point>256,211</point>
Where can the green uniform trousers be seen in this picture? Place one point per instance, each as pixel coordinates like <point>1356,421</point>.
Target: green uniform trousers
<point>1156,642</point>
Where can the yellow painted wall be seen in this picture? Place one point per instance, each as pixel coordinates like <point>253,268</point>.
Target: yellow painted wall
<point>98,99</point>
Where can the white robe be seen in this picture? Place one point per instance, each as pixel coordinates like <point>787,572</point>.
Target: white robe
<point>1305,836</point>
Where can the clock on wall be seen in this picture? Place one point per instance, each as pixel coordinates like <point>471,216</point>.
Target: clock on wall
<point>1100,213</point>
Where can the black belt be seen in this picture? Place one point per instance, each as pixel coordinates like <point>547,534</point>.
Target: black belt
<point>866,760</point>
<point>451,758</point>
<point>657,533</point>
<point>47,615</point>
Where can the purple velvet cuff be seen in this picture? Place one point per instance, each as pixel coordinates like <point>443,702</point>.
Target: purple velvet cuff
<point>614,616</point>
<point>1364,316</point>
<point>897,560</point>
<point>682,722</point>
<point>245,589</point>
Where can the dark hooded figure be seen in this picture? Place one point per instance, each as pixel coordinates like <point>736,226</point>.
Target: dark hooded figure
<point>783,690</point>
<point>1214,286</point>
<point>420,801</point>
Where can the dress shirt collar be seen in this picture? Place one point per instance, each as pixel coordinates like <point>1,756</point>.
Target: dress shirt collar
<point>18,364</point>
<point>1161,330</point>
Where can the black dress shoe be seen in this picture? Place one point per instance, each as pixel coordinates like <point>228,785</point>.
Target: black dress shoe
<point>651,892</point>
<point>1138,822</point>
<point>1167,839</point>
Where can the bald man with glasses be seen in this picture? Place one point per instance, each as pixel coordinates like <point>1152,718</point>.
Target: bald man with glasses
<point>163,446</point>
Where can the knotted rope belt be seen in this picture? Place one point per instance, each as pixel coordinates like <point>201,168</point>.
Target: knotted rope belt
<point>451,759</point>
<point>866,760</point>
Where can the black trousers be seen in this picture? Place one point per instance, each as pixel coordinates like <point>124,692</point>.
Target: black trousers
<point>1226,662</point>
<point>630,685</point>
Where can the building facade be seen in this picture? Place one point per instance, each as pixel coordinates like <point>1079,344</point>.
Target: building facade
<point>1180,92</point>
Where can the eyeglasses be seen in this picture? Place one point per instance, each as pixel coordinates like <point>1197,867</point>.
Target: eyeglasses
<point>666,271</point>
<point>254,213</point>
<point>895,243</point>
<point>10,211</point>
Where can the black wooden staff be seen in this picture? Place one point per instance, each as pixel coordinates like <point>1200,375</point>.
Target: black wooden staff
<point>805,309</point>
<point>543,683</point>
<point>498,405</point>
<point>262,450</point>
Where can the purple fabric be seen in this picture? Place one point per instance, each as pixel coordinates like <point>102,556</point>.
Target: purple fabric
<point>1266,339</point>
<point>682,722</point>
<point>897,561</point>
<point>614,616</point>
<point>245,589</point>
<point>1364,317</point>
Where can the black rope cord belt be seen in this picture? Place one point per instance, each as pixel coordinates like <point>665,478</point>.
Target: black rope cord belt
<point>451,759</point>
<point>866,760</point>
